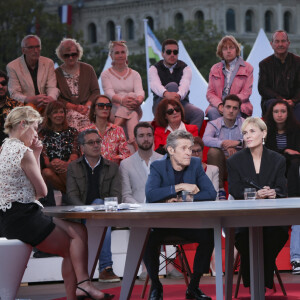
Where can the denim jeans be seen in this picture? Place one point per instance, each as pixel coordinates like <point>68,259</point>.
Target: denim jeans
<point>295,243</point>
<point>105,258</point>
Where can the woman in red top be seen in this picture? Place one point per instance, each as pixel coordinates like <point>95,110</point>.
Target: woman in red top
<point>169,117</point>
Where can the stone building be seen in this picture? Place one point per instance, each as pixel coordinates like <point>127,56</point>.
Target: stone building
<point>97,19</point>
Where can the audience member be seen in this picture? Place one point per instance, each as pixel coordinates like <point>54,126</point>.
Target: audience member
<point>90,179</point>
<point>284,137</point>
<point>279,75</point>
<point>176,172</point>
<point>169,117</point>
<point>134,170</point>
<point>113,140</point>
<point>224,137</point>
<point>123,86</point>
<point>77,82</point>
<point>230,76</point>
<point>21,216</point>
<point>170,79</point>
<point>31,76</point>
<point>59,145</point>
<point>6,104</point>
<point>266,169</point>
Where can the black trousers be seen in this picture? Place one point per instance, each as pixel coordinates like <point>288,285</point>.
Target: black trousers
<point>293,177</point>
<point>158,236</point>
<point>274,238</point>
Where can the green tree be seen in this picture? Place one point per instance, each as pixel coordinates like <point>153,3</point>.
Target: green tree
<point>19,18</point>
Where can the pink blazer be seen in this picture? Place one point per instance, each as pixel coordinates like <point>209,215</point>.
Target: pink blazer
<point>241,86</point>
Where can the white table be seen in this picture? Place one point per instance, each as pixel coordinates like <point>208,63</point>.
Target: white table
<point>212,214</point>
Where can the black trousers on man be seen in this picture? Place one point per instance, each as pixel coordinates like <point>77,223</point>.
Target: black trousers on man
<point>158,236</point>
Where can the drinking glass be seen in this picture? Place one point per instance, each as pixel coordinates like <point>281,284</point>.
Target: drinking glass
<point>250,193</point>
<point>111,203</point>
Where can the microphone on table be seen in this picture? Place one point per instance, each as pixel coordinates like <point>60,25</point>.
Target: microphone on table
<point>253,184</point>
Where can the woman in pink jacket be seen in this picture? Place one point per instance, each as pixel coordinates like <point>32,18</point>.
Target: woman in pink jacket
<point>230,76</point>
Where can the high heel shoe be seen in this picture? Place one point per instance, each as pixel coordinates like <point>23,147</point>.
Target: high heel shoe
<point>88,296</point>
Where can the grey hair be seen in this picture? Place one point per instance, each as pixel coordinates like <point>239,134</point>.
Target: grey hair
<point>30,36</point>
<point>63,45</point>
<point>176,135</point>
<point>83,133</point>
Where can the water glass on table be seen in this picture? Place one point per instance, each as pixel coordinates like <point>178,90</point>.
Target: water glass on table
<point>111,203</point>
<point>250,193</point>
<point>187,196</point>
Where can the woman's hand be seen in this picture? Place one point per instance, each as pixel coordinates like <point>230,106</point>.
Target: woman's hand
<point>192,188</point>
<point>82,109</point>
<point>266,192</point>
<point>59,166</point>
<point>129,102</point>
<point>36,146</point>
<point>291,152</point>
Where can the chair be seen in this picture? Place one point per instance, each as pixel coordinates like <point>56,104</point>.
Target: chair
<point>14,256</point>
<point>237,263</point>
<point>183,265</point>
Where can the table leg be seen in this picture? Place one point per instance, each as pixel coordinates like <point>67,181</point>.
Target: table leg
<point>229,251</point>
<point>218,257</point>
<point>136,245</point>
<point>257,286</point>
<point>96,235</point>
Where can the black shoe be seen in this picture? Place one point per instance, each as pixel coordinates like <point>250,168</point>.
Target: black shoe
<point>40,254</point>
<point>156,294</point>
<point>196,294</point>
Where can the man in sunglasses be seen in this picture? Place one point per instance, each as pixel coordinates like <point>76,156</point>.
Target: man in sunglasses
<point>31,76</point>
<point>171,78</point>
<point>90,179</point>
<point>6,104</point>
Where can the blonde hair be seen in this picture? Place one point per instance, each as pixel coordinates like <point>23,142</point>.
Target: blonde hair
<point>258,122</point>
<point>225,40</point>
<point>66,44</point>
<point>112,44</point>
<point>19,114</point>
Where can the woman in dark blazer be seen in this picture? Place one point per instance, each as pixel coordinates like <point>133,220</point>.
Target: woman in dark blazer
<point>266,169</point>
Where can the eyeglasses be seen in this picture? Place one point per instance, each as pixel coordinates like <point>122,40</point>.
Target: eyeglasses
<point>3,82</point>
<point>196,151</point>
<point>33,47</point>
<point>170,111</point>
<point>102,105</point>
<point>92,143</point>
<point>68,55</point>
<point>169,52</point>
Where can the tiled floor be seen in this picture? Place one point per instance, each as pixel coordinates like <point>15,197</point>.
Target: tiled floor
<point>56,290</point>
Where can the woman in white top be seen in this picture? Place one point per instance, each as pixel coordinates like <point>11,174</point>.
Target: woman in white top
<point>124,87</point>
<point>20,212</point>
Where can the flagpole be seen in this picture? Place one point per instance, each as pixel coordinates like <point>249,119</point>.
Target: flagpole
<point>147,54</point>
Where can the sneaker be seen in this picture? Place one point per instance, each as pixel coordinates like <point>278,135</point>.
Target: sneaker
<point>108,275</point>
<point>222,195</point>
<point>174,274</point>
<point>296,267</point>
<point>143,276</point>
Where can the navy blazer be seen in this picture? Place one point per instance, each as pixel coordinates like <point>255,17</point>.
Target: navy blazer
<point>240,167</point>
<point>160,185</point>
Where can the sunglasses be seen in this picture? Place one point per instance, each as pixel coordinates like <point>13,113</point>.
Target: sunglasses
<point>169,52</point>
<point>102,105</point>
<point>171,110</point>
<point>68,55</point>
<point>197,151</point>
<point>3,83</point>
<point>92,143</point>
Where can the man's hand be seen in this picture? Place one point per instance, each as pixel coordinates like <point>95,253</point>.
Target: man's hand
<point>192,188</point>
<point>82,109</point>
<point>172,96</point>
<point>220,109</point>
<point>291,152</point>
<point>289,102</point>
<point>229,144</point>
<point>172,200</point>
<point>231,151</point>
<point>43,100</point>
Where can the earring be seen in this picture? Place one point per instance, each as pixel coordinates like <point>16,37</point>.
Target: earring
<point>263,141</point>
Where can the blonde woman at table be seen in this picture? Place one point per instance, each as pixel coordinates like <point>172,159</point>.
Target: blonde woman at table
<point>265,168</point>
<point>21,216</point>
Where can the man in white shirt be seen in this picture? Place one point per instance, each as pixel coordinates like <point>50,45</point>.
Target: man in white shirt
<point>171,78</point>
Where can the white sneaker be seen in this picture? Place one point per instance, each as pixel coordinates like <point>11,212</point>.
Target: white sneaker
<point>174,274</point>
<point>296,267</point>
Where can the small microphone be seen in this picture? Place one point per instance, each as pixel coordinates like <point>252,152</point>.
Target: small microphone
<point>253,184</point>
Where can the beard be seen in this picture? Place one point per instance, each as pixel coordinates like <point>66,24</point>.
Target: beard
<point>148,146</point>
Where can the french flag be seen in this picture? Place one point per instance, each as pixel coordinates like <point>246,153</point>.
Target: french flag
<point>65,14</point>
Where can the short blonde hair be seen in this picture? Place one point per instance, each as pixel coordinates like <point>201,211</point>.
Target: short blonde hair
<point>112,44</point>
<point>258,122</point>
<point>66,44</point>
<point>228,39</point>
<point>19,114</point>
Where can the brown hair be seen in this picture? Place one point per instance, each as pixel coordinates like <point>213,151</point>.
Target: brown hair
<point>225,40</point>
<point>198,141</point>
<point>52,106</point>
<point>160,115</point>
<point>168,42</point>
<point>92,115</point>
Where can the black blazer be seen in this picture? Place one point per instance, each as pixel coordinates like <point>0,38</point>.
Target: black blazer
<point>241,167</point>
